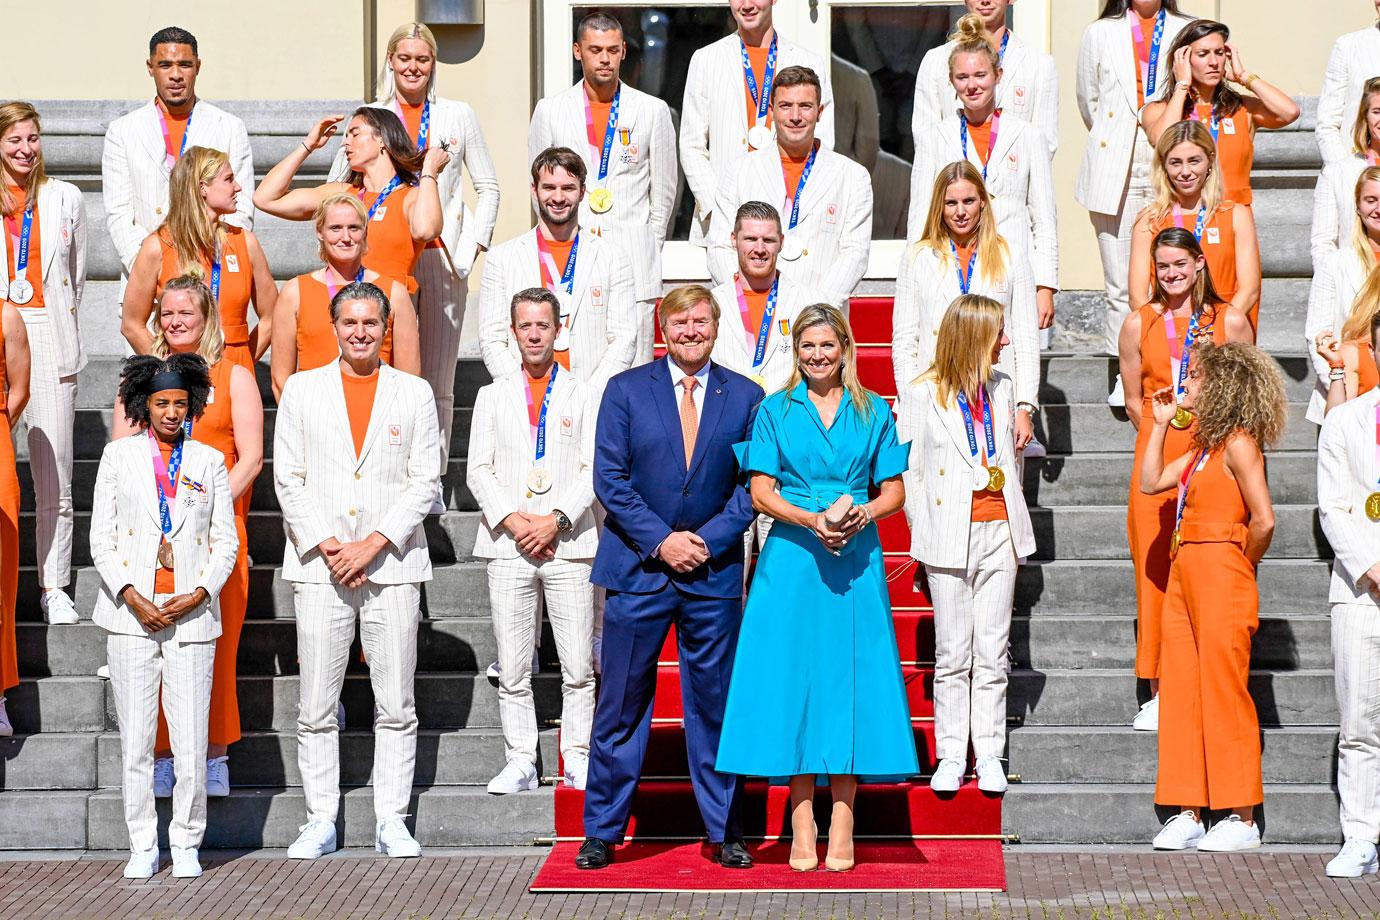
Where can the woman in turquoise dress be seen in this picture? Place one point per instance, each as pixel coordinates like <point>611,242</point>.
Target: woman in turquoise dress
<point>817,686</point>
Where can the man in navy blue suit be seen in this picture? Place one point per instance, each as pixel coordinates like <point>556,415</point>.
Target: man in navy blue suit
<point>671,552</point>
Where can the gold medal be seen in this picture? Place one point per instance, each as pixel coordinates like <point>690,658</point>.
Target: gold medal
<point>759,380</point>
<point>538,480</point>
<point>1373,506</point>
<point>1182,419</point>
<point>996,479</point>
<point>600,200</point>
<point>1173,544</point>
<point>165,554</point>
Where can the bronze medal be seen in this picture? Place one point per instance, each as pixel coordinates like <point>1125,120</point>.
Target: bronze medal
<point>165,554</point>
<point>1173,544</point>
<point>996,479</point>
<point>538,480</point>
<point>1373,506</point>
<point>1182,419</point>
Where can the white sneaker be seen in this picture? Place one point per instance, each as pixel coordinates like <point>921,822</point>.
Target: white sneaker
<point>217,777</point>
<point>185,862</point>
<point>1117,398</point>
<point>493,671</point>
<point>1034,450</point>
<point>576,771</point>
<point>142,864</point>
<point>317,838</point>
<point>340,716</point>
<point>6,729</point>
<point>516,776</point>
<point>1180,832</point>
<point>1230,835</point>
<point>58,608</point>
<point>103,672</point>
<point>1356,859</point>
<point>948,776</point>
<point>1148,719</point>
<point>991,775</point>
<point>391,838</point>
<point>164,778</point>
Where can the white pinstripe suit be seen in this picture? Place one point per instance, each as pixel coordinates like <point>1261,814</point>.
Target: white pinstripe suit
<point>713,117</point>
<point>1355,58</point>
<point>1018,179</point>
<point>501,453</point>
<point>835,226</point>
<point>927,282</point>
<point>1334,207</point>
<point>134,176</point>
<point>178,660</point>
<point>604,319</point>
<point>642,177</point>
<point>1337,279</point>
<point>971,567</point>
<point>326,491</point>
<point>1029,90</point>
<point>56,357</point>
<point>734,346</point>
<point>1347,473</point>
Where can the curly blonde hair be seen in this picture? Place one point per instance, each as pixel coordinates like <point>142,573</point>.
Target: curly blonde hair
<point>1242,390</point>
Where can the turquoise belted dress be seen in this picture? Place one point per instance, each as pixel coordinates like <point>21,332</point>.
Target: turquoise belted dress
<point>817,684</point>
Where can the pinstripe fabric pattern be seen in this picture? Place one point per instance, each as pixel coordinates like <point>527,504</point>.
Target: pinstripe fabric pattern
<point>388,616</point>
<point>326,491</point>
<point>713,118</point>
<point>1355,59</point>
<point>1347,473</point>
<point>1337,279</point>
<point>732,349</point>
<point>972,626</point>
<point>441,297</point>
<point>1334,207</point>
<point>62,218</point>
<point>134,178</point>
<point>1355,649</point>
<point>1029,90</point>
<point>1114,244</point>
<point>927,282</point>
<point>514,587</point>
<point>48,418</point>
<point>604,324</point>
<point>1018,179</point>
<point>140,668</point>
<point>642,173</point>
<point>835,225</point>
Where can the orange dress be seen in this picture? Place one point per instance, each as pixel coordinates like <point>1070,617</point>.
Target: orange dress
<point>9,543</point>
<point>1209,737</point>
<point>317,345</point>
<point>392,250</point>
<point>236,289</point>
<point>1150,518</point>
<point>216,429</point>
<point>1219,250</point>
<point>14,223</point>
<point>1235,150</point>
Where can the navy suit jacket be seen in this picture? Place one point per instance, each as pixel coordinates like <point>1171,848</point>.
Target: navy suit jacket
<point>641,479</point>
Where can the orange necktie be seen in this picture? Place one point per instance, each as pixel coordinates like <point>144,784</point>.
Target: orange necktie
<point>689,418</point>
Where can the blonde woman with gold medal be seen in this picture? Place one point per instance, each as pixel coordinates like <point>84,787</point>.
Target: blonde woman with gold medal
<point>1155,344</point>
<point>970,528</point>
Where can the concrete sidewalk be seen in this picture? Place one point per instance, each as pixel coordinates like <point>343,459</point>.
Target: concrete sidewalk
<point>1046,883</point>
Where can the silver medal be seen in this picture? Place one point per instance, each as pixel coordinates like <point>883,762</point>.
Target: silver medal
<point>21,291</point>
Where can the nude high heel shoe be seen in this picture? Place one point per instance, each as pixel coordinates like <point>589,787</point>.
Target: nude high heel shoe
<point>840,863</point>
<point>801,836</point>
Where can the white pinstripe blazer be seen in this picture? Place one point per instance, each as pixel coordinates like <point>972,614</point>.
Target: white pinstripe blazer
<point>927,282</point>
<point>1018,179</point>
<point>642,173</point>
<point>1107,100</point>
<point>1355,58</point>
<point>943,475</point>
<point>1029,90</point>
<point>62,239</point>
<point>1334,206</point>
<point>126,531</point>
<point>1346,475</point>
<point>713,117</point>
<point>502,451</point>
<point>603,330</point>
<point>463,231</point>
<point>732,348</point>
<point>1336,282</point>
<point>134,177</point>
<point>835,221</point>
<point>326,491</point>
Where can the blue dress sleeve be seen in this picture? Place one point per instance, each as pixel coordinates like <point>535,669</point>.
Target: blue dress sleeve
<point>761,454</point>
<point>891,458</point>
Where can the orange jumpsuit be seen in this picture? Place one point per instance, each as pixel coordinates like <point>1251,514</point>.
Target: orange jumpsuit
<point>1235,150</point>
<point>392,250</point>
<point>1209,736</point>
<point>9,543</point>
<point>216,429</point>
<point>1150,518</point>
<point>317,345</point>
<point>236,290</point>
<point>1219,250</point>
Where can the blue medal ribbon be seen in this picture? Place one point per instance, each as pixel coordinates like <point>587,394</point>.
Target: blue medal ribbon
<point>568,273</point>
<point>1185,355</point>
<point>174,465</point>
<point>1153,65</point>
<point>388,189</point>
<point>425,127</point>
<point>965,281</point>
<point>541,417</point>
<point>1005,40</point>
<point>215,279</point>
<point>763,101</point>
<point>987,426</point>
<point>991,139</point>
<point>609,131</point>
<point>800,187</point>
<point>759,354</point>
<point>21,255</point>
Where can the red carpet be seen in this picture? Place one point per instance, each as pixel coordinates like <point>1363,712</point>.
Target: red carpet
<point>905,865</point>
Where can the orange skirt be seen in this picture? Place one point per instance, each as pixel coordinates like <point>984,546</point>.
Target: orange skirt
<point>9,557</point>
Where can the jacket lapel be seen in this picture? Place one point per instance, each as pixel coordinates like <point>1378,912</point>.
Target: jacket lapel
<point>141,465</point>
<point>51,230</point>
<point>821,180</point>
<point>1011,66</point>
<point>334,395</point>
<point>715,394</point>
<point>664,396</point>
<point>1126,60</point>
<point>194,470</point>
<point>152,136</point>
<point>952,420</point>
<point>1010,129</point>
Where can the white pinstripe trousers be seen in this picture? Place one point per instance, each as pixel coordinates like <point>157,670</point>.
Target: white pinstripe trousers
<point>49,418</point>
<point>1114,240</point>
<point>514,585</point>
<point>972,625</point>
<point>1355,653</point>
<point>141,666</point>
<point>440,314</point>
<point>388,617</point>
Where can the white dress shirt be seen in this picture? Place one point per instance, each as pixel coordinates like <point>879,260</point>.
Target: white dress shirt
<point>702,380</point>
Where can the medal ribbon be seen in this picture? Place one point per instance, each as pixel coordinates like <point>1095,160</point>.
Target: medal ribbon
<point>215,277</point>
<point>759,352</point>
<point>21,248</point>
<point>1214,121</point>
<point>169,157</point>
<point>609,131</point>
<point>1198,224</point>
<point>1377,442</point>
<point>540,434</point>
<point>1151,68</point>
<point>332,288</point>
<point>388,189</point>
<point>1187,477</point>
<point>548,266</point>
<point>165,478</point>
<point>424,128</point>
<point>763,102</point>
<point>794,202</point>
<point>991,139</point>
<point>965,280</point>
<point>987,427</point>
<point>1181,373</point>
<point>1005,40</point>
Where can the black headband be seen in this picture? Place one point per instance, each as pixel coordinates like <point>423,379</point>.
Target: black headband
<point>167,380</point>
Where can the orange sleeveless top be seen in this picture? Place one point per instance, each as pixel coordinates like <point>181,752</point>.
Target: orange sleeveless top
<point>1219,245</point>
<point>1214,512</point>
<point>236,281</point>
<point>1159,366</point>
<point>392,250</point>
<point>1235,151</point>
<point>216,427</point>
<point>1368,378</point>
<point>317,345</point>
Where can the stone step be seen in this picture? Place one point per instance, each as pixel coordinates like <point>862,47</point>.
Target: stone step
<point>1282,216</point>
<point>52,819</point>
<point>48,760</point>
<point>1283,309</point>
<point>1103,478</point>
<point>1077,379</point>
<point>57,704</point>
<point>1099,532</point>
<point>1071,428</point>
<point>1117,754</point>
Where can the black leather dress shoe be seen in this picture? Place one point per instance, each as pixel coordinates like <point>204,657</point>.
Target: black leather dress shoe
<point>733,855</point>
<point>594,854</point>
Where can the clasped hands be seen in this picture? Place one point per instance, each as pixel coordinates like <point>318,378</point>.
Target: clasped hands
<point>154,617</point>
<point>347,561</point>
<point>834,540</point>
<point>535,534</point>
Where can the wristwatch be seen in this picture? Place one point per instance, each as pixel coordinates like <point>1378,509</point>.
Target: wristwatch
<point>563,523</point>
<point>1031,408</point>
